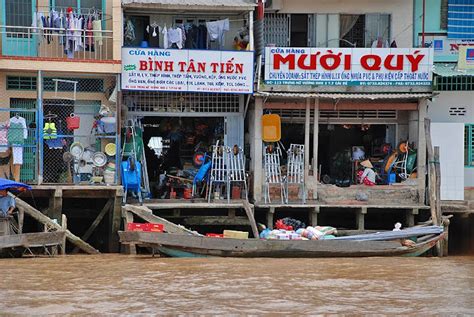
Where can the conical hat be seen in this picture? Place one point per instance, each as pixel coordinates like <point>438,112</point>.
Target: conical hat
<point>366,163</point>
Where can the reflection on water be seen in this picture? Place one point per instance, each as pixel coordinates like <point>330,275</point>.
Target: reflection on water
<point>130,285</point>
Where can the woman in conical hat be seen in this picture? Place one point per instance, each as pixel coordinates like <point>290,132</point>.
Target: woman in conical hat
<point>368,176</point>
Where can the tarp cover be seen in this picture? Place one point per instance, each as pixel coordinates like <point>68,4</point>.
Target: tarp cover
<point>6,184</point>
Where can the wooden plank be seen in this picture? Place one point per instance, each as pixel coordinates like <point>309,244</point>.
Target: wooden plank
<point>215,221</point>
<point>95,223</point>
<point>40,217</point>
<point>64,227</point>
<point>147,215</point>
<point>410,218</point>
<point>437,167</point>
<point>250,214</point>
<point>431,173</point>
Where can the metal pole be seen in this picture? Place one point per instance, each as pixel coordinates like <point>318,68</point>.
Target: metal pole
<point>39,125</point>
<point>423,25</point>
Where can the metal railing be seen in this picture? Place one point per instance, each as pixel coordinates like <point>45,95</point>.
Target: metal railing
<point>56,43</point>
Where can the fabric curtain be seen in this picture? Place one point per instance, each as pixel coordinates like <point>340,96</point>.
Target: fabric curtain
<point>347,22</point>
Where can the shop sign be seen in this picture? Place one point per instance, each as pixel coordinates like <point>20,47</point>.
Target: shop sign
<point>445,49</point>
<point>187,70</point>
<point>466,57</point>
<point>348,66</point>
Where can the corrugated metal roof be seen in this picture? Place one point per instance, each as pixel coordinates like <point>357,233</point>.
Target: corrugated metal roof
<point>451,70</point>
<point>369,96</point>
<point>218,4</point>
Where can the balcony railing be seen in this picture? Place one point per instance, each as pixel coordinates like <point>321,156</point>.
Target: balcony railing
<point>56,43</point>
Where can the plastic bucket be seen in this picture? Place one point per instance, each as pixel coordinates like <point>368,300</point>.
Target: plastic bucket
<point>109,177</point>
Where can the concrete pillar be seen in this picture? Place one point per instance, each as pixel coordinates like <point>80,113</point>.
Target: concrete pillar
<point>421,149</point>
<point>315,147</point>
<point>255,130</point>
<point>117,29</point>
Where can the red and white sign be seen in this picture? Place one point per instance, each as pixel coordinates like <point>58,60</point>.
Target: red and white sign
<point>348,66</point>
<point>187,70</point>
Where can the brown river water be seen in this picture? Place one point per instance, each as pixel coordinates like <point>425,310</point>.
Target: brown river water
<point>133,285</point>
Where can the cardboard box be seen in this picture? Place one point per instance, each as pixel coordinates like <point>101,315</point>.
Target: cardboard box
<point>236,234</point>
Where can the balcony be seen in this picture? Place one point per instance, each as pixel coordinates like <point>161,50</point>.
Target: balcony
<point>55,43</point>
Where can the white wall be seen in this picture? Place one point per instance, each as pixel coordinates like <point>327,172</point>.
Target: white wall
<point>438,108</point>
<point>439,111</point>
<point>450,139</point>
<point>401,12</point>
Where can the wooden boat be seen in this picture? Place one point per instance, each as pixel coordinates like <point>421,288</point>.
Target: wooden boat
<point>16,244</point>
<point>182,245</point>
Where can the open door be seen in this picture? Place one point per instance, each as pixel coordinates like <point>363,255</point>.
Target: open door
<point>18,38</point>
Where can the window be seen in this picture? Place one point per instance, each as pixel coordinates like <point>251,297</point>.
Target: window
<point>21,83</point>
<point>299,30</point>
<point>364,30</point>
<point>469,145</point>
<point>77,4</point>
<point>454,83</point>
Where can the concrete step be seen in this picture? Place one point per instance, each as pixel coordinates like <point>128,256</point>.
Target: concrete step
<point>380,194</point>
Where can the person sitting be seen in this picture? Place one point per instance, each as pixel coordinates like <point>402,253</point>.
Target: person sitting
<point>7,204</point>
<point>368,176</point>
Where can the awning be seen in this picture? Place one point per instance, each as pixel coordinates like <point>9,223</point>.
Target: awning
<point>214,5</point>
<point>352,96</point>
<point>450,70</point>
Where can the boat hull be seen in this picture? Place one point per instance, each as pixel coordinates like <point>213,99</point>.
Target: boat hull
<point>176,245</point>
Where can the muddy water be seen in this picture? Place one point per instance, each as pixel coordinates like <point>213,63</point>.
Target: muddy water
<point>117,284</point>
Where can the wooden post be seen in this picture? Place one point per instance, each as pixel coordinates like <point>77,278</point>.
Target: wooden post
<point>315,147</point>
<point>115,221</point>
<point>64,227</point>
<point>251,216</point>
<point>431,174</point>
<point>270,214</point>
<point>439,246</point>
<point>56,205</point>
<point>421,149</point>
<point>21,220</point>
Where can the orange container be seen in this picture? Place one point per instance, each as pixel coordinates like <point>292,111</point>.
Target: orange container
<point>188,193</point>
<point>271,128</point>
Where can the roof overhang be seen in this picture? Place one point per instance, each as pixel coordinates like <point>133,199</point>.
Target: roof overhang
<point>349,96</point>
<point>451,70</point>
<point>192,5</point>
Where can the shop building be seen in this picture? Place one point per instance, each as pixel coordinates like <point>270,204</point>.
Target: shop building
<point>187,78</point>
<point>59,76</point>
<point>316,77</point>
<point>447,28</point>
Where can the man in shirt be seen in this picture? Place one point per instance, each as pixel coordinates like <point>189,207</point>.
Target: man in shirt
<point>7,204</point>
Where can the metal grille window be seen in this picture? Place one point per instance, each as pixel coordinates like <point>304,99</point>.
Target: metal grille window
<point>155,103</point>
<point>18,13</point>
<point>29,83</point>
<point>298,115</point>
<point>79,4</point>
<point>454,83</point>
<point>276,29</point>
<point>469,145</point>
<point>83,84</point>
<point>21,83</point>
